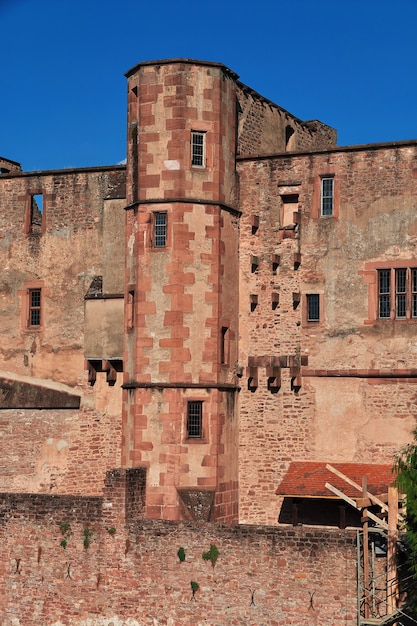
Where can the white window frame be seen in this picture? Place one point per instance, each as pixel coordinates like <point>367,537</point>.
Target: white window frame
<point>327,196</point>
<point>198,148</point>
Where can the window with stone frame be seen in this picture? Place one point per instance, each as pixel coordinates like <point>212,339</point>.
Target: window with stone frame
<point>160,230</point>
<point>194,419</point>
<point>34,308</point>
<point>198,148</point>
<point>327,196</point>
<point>397,293</point>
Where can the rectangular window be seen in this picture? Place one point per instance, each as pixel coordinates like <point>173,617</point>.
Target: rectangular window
<point>160,230</point>
<point>130,309</point>
<point>327,197</point>
<point>195,419</point>
<point>313,307</point>
<point>397,293</point>
<point>36,213</point>
<point>198,149</point>
<point>224,345</point>
<point>384,295</point>
<point>34,307</point>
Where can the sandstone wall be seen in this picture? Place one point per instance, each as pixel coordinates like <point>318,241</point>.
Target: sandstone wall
<point>129,576</point>
<point>347,384</point>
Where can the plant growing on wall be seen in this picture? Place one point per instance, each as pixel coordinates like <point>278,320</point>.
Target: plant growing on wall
<point>87,532</point>
<point>111,531</point>
<point>194,588</point>
<point>181,555</point>
<point>212,555</point>
<point>405,466</point>
<point>65,529</point>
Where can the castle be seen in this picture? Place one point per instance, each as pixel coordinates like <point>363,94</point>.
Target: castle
<point>231,311</point>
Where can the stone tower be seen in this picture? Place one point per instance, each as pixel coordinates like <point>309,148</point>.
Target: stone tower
<point>181,312</point>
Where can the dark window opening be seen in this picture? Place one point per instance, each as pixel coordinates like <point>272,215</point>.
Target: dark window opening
<point>36,213</point>
<point>195,419</point>
<point>313,307</point>
<point>160,230</point>
<point>224,345</point>
<point>34,307</point>
<point>289,132</point>
<point>130,313</point>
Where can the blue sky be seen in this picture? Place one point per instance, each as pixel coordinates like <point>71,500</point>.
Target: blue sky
<point>349,63</point>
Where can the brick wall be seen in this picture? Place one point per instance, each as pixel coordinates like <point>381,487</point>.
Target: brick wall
<point>112,574</point>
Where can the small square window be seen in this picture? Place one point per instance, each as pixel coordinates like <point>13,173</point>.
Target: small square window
<point>198,149</point>
<point>34,307</point>
<point>313,307</point>
<point>195,419</point>
<point>327,197</point>
<point>160,230</point>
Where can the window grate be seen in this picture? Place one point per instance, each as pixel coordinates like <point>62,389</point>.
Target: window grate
<point>34,307</point>
<point>195,419</point>
<point>160,230</point>
<point>397,293</point>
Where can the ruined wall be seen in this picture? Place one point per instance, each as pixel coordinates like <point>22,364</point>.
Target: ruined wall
<point>58,434</point>
<point>267,129</point>
<point>111,574</point>
<point>61,256</point>
<point>342,388</point>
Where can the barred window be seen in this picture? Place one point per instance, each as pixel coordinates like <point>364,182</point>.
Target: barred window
<point>34,307</point>
<point>198,149</point>
<point>327,197</point>
<point>160,230</point>
<point>195,419</point>
<point>397,293</point>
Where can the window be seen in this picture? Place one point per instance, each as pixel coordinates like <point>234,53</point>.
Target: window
<point>34,318</point>
<point>198,149</point>
<point>224,345</point>
<point>327,196</point>
<point>313,307</point>
<point>195,419</point>
<point>36,214</point>
<point>130,309</point>
<point>397,293</point>
<point>160,230</point>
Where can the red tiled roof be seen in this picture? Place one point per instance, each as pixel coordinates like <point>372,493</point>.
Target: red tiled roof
<point>308,479</point>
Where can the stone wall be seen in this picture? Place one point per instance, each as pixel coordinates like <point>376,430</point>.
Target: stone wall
<point>71,561</point>
<point>347,387</point>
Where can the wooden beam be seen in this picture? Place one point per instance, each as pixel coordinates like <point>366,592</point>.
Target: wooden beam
<point>371,516</point>
<point>369,495</point>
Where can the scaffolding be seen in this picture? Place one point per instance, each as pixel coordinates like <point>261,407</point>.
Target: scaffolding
<point>381,582</point>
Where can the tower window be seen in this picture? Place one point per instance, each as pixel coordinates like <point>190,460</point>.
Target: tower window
<point>160,230</point>
<point>34,307</point>
<point>195,419</point>
<point>198,149</point>
<point>327,197</point>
